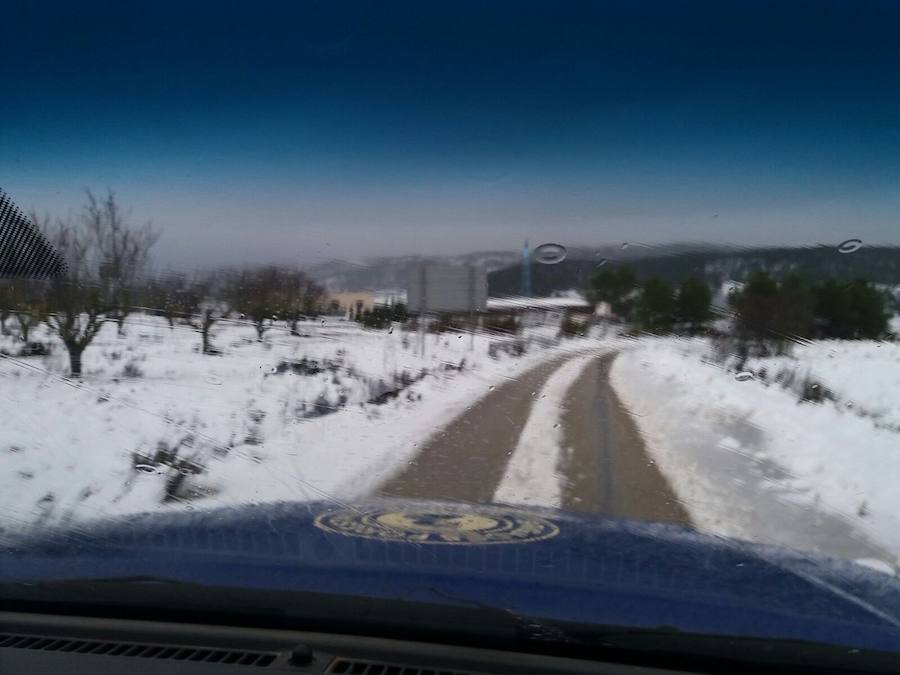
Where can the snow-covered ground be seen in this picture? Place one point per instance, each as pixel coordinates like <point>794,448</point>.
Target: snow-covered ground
<point>334,413</point>
<point>156,425</point>
<point>863,376</point>
<point>751,459</point>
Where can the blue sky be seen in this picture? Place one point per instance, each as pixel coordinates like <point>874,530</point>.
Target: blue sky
<point>302,131</point>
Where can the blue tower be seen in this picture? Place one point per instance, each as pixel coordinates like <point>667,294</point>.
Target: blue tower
<point>525,289</point>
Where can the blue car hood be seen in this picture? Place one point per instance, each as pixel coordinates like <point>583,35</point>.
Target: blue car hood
<point>546,569</point>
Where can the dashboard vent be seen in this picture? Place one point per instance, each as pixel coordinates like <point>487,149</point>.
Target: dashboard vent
<point>137,650</point>
<point>343,666</point>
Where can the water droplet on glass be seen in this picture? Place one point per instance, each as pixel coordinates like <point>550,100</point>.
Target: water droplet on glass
<point>849,404</point>
<point>849,246</point>
<point>189,507</point>
<point>243,316</point>
<point>814,387</point>
<point>556,426</point>
<point>550,254</point>
<point>601,262</point>
<point>212,379</point>
<point>624,245</point>
<point>145,468</point>
<point>390,330</point>
<point>744,376</point>
<point>492,387</point>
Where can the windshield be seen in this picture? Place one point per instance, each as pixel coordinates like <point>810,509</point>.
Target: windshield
<point>621,262</point>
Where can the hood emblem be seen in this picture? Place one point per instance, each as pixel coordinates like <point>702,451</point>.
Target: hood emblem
<point>444,525</point>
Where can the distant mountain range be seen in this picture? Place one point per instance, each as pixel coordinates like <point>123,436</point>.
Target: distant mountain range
<point>394,272</point>
<point>674,263</point>
<point>716,265</point>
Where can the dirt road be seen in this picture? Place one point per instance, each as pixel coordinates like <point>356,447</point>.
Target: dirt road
<point>606,467</point>
<point>603,466</point>
<point>466,460</point>
<point>606,471</point>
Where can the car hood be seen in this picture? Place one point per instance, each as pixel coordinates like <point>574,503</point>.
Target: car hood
<point>549,574</point>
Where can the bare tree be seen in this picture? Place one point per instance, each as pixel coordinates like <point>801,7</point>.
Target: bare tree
<point>7,301</point>
<point>122,253</point>
<point>301,297</point>
<point>206,308</point>
<point>75,300</point>
<point>104,256</point>
<point>257,294</point>
<point>269,294</point>
<point>169,296</point>
<point>29,304</point>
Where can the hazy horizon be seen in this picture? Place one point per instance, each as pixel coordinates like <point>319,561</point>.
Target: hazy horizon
<point>320,131</point>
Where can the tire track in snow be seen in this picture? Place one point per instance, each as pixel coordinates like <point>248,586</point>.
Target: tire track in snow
<point>606,462</point>
<point>467,459</point>
<point>532,476</point>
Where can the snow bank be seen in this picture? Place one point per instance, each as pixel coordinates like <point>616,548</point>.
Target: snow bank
<point>862,375</point>
<point>733,447</point>
<point>894,324</point>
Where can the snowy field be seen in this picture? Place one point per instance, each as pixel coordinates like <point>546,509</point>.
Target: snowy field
<point>156,425</point>
<point>754,457</point>
<point>801,450</point>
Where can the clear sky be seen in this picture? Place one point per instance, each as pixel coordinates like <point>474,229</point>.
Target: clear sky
<point>250,131</point>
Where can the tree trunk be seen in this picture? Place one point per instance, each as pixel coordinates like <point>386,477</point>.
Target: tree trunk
<point>75,353</point>
<point>171,320</point>
<point>260,329</point>
<point>204,332</point>
<point>3,329</point>
<point>293,325</point>
<point>120,325</point>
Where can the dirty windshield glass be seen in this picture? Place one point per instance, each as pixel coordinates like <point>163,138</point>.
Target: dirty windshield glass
<point>605,262</point>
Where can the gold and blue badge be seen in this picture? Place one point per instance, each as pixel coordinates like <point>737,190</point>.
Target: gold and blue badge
<point>445,525</point>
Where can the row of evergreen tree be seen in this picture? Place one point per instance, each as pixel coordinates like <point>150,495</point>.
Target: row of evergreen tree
<point>381,316</point>
<point>763,308</point>
<point>796,308</point>
<point>653,304</point>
